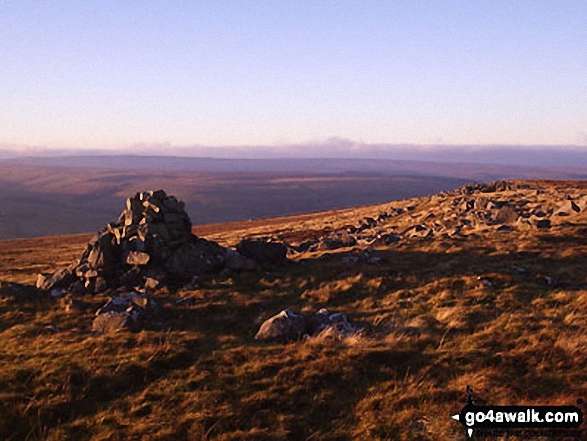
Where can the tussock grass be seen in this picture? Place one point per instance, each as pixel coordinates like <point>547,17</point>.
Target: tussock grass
<point>430,329</point>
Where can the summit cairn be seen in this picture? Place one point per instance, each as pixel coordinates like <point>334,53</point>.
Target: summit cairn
<point>151,244</point>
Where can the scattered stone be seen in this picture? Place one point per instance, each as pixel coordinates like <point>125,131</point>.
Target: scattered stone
<point>290,326</point>
<point>519,269</point>
<point>366,223</point>
<point>57,293</point>
<point>567,209</point>
<point>505,228</point>
<point>485,282</point>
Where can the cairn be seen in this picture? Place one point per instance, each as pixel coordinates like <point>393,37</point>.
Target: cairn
<point>150,244</point>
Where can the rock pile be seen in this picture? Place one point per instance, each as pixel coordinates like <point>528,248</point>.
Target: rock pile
<point>151,244</point>
<point>291,326</point>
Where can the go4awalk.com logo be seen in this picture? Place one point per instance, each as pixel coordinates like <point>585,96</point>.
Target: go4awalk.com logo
<point>557,420</point>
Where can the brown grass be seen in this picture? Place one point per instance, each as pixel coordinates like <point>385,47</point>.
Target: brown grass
<point>431,329</point>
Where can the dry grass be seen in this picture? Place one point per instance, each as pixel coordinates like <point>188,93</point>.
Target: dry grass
<point>431,329</point>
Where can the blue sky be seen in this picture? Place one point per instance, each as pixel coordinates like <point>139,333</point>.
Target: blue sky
<point>99,74</point>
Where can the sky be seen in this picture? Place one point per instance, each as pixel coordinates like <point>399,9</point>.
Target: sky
<point>112,74</point>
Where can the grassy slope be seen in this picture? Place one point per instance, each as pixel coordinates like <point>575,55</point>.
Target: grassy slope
<point>433,329</point>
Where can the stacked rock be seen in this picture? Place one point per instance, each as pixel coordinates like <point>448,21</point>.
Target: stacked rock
<point>151,243</point>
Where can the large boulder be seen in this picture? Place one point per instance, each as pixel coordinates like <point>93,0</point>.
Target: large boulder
<point>195,256</point>
<point>283,327</point>
<point>290,326</point>
<point>262,252</point>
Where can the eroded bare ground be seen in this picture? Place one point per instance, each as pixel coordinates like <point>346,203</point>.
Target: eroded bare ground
<point>462,288</point>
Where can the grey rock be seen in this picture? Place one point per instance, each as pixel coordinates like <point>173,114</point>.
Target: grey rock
<point>152,236</point>
<point>263,252</point>
<point>59,279</point>
<point>110,322</point>
<point>337,321</point>
<point>198,256</point>
<point>505,228</point>
<point>137,308</point>
<point>283,327</point>
<point>235,261</point>
<point>567,209</point>
<point>506,215</point>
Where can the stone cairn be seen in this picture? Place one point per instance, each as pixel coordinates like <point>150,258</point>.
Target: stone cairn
<point>150,246</point>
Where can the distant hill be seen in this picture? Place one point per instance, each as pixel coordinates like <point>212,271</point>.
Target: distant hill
<point>42,196</point>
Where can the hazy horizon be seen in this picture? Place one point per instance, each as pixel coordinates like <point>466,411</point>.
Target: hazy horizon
<point>523,155</point>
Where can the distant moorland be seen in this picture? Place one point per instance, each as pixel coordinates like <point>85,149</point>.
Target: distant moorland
<point>42,196</point>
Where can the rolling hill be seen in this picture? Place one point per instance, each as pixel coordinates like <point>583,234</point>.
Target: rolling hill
<point>41,196</point>
<point>482,286</point>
